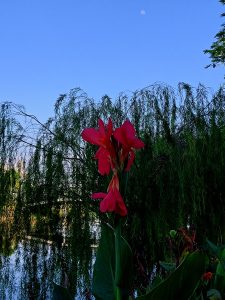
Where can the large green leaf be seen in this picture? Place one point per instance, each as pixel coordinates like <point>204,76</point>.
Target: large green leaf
<point>214,249</point>
<point>219,280</point>
<point>104,268</point>
<point>182,283</point>
<point>167,266</point>
<point>214,294</point>
<point>219,252</point>
<point>104,284</point>
<point>125,274</point>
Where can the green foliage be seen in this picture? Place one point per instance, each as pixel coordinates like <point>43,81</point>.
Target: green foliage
<point>219,253</point>
<point>182,283</point>
<point>106,279</point>
<point>10,132</point>
<point>214,295</point>
<point>104,270</point>
<point>217,49</point>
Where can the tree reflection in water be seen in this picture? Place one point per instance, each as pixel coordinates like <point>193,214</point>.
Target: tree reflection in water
<point>30,264</point>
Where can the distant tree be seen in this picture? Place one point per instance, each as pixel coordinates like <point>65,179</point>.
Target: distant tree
<point>217,50</point>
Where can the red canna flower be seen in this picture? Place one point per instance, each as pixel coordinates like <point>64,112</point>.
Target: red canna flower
<point>101,137</point>
<point>116,153</point>
<point>207,276</point>
<point>126,135</point>
<point>112,201</point>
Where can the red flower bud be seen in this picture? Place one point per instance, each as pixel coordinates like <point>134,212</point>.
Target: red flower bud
<point>207,276</point>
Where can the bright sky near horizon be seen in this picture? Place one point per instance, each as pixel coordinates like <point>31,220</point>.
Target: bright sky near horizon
<point>48,47</point>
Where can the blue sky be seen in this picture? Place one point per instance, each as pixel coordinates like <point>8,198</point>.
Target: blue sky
<point>48,47</point>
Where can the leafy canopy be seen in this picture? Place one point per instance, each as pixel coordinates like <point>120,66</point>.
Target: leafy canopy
<point>217,49</point>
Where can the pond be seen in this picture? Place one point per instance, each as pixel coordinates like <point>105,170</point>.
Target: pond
<point>31,261</point>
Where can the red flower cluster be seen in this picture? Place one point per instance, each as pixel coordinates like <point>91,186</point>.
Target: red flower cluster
<point>207,276</point>
<point>112,201</point>
<point>116,153</point>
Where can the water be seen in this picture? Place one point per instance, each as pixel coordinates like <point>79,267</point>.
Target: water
<point>31,263</point>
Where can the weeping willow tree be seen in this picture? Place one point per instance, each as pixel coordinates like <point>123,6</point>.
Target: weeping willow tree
<point>179,128</point>
<point>178,178</point>
<point>180,173</point>
<point>10,133</point>
<point>183,131</point>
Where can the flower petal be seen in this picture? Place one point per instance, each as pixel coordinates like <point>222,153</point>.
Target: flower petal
<point>92,136</point>
<point>119,135</point>
<point>98,195</point>
<point>126,135</point>
<point>103,157</point>
<point>120,205</point>
<point>128,127</point>
<point>108,203</point>
<point>137,143</point>
<point>110,128</point>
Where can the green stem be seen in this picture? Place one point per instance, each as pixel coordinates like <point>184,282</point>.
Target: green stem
<point>118,259</point>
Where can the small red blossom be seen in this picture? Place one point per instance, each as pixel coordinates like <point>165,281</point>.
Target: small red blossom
<point>126,136</point>
<point>101,137</point>
<point>112,201</point>
<point>207,276</point>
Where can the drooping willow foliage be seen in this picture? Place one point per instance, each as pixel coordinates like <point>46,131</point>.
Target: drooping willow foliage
<point>178,178</point>
<point>10,134</point>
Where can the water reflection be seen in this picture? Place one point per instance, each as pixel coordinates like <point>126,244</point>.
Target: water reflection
<point>31,260</point>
